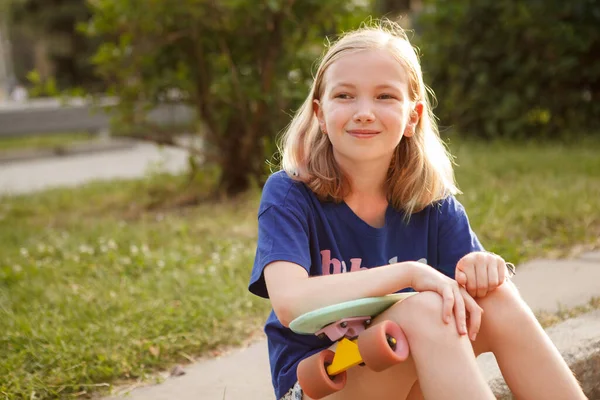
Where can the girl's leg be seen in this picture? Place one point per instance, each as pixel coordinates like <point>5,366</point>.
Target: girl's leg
<point>446,366</point>
<point>415,392</point>
<point>441,358</point>
<point>530,363</point>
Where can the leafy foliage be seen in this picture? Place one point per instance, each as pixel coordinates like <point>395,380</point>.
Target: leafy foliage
<point>242,65</point>
<point>52,23</point>
<point>514,69</point>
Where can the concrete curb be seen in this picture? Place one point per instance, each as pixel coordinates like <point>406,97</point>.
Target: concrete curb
<point>62,151</point>
<point>577,340</point>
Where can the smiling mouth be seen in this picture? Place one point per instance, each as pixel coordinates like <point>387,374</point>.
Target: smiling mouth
<point>363,134</point>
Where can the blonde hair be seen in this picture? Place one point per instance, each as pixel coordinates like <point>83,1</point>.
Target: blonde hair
<point>420,171</point>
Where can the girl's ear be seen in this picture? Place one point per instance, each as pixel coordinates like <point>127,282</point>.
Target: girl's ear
<point>318,110</point>
<point>414,118</point>
<point>416,113</point>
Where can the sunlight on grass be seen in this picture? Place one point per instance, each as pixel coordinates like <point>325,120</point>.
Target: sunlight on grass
<point>115,280</point>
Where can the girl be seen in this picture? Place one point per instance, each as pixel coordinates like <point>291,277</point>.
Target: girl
<point>366,190</point>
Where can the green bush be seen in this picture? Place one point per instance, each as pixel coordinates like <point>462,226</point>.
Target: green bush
<point>517,69</point>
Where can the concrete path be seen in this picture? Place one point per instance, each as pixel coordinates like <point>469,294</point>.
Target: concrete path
<point>546,285</point>
<point>131,162</point>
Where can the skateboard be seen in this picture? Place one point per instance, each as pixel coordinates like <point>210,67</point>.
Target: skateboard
<point>358,342</point>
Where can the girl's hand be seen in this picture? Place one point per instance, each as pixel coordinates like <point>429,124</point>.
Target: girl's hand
<point>455,298</point>
<point>481,272</point>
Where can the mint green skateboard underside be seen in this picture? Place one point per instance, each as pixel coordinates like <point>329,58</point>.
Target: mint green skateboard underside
<point>313,321</point>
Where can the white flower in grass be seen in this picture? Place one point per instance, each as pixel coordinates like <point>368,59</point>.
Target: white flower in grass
<point>112,245</point>
<point>85,249</point>
<point>126,260</point>
<point>160,264</point>
<point>24,252</point>
<point>133,249</point>
<point>17,268</point>
<point>145,249</point>
<point>212,269</point>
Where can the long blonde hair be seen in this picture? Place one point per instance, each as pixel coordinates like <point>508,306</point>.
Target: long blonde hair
<point>420,171</point>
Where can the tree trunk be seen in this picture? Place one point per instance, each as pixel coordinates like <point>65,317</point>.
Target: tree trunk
<point>240,164</point>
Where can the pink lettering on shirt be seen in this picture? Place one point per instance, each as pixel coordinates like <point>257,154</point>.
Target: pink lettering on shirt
<point>331,265</point>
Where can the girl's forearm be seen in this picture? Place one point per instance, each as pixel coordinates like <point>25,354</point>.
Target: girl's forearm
<point>312,293</point>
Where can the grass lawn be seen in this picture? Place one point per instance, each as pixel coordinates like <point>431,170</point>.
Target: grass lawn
<point>112,281</point>
<point>49,141</point>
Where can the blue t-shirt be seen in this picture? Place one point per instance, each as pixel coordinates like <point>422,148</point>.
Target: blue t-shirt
<point>328,238</point>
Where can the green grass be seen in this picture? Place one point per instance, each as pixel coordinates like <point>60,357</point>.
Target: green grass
<point>114,281</point>
<point>49,141</point>
<point>532,200</point>
<point>547,319</point>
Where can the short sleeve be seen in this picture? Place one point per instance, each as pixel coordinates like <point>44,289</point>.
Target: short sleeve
<point>282,236</point>
<point>455,236</point>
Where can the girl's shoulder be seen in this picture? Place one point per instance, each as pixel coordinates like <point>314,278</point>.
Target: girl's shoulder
<point>448,205</point>
<point>447,208</point>
<point>283,191</point>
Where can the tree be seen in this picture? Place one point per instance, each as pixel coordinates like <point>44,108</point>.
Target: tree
<point>385,7</point>
<point>50,42</point>
<point>516,69</point>
<point>242,65</point>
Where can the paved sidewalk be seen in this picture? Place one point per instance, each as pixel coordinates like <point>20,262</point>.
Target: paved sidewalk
<point>546,285</point>
<point>133,161</point>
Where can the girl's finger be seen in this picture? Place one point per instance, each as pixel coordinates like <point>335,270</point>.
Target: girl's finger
<point>459,312</point>
<point>501,271</point>
<point>471,279</point>
<point>461,278</point>
<point>493,280</point>
<point>475,313</point>
<point>482,278</point>
<point>448,303</point>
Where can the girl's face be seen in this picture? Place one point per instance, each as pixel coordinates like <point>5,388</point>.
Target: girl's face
<point>365,108</point>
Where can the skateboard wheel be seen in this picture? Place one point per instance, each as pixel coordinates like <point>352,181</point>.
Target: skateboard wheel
<point>382,345</point>
<point>313,377</point>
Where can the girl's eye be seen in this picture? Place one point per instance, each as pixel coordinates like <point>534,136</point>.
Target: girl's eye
<point>342,96</point>
<point>386,96</point>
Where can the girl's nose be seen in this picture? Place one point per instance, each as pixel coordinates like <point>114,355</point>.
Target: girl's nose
<point>364,112</point>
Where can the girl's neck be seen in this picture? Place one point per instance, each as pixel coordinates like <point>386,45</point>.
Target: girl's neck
<point>368,197</point>
<point>367,180</point>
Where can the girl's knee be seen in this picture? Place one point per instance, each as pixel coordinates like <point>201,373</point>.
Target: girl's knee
<point>419,315</point>
<point>504,304</point>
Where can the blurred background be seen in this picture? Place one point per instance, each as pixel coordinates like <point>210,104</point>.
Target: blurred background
<point>232,72</point>
<point>135,136</point>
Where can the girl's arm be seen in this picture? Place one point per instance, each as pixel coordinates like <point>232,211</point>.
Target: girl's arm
<point>292,292</point>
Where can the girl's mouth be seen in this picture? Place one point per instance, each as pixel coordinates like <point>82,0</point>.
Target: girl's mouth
<point>363,133</point>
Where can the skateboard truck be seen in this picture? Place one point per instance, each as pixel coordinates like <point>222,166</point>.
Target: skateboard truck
<point>345,332</point>
<point>347,327</point>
